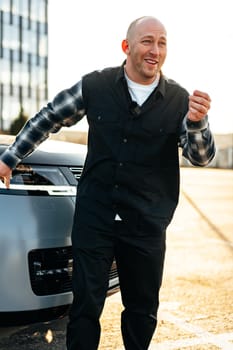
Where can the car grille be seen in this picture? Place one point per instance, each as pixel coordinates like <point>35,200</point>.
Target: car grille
<point>113,272</point>
<point>76,171</point>
<point>51,271</point>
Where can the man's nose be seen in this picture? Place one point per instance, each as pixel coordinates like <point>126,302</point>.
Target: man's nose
<point>155,49</point>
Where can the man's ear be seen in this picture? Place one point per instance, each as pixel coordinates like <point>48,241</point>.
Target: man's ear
<point>125,46</point>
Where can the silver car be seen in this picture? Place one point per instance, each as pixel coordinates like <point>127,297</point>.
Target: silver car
<point>36,216</point>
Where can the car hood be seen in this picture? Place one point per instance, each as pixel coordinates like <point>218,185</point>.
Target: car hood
<point>52,152</point>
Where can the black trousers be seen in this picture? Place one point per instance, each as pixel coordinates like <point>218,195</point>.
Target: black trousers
<point>140,261</point>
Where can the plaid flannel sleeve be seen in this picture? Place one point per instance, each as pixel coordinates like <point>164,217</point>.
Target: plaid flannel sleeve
<point>197,142</point>
<point>66,109</point>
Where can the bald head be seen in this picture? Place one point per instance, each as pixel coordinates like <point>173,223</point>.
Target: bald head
<point>138,24</point>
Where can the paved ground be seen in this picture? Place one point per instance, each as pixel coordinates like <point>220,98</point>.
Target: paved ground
<point>196,310</point>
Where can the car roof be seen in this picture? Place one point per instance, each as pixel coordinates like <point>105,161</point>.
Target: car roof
<point>52,152</point>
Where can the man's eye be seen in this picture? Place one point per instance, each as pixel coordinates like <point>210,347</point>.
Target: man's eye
<point>147,41</point>
<point>163,43</point>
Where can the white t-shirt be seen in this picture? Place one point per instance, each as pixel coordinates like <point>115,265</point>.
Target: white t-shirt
<point>139,93</point>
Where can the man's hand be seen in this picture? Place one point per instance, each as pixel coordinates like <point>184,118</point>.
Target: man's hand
<point>5,174</point>
<point>199,104</point>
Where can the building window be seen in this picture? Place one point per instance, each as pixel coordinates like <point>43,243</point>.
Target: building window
<point>20,38</point>
<point>23,57</point>
<point>1,33</point>
<point>11,71</point>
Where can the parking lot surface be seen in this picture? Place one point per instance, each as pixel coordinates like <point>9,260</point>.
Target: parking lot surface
<point>196,310</point>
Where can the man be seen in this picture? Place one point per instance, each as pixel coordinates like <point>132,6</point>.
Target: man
<point>130,183</point>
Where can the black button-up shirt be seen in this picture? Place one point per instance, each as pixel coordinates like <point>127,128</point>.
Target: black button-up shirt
<point>132,165</point>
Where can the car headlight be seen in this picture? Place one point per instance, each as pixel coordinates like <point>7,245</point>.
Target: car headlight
<point>39,180</point>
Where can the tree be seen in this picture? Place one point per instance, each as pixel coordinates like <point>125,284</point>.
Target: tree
<point>19,122</point>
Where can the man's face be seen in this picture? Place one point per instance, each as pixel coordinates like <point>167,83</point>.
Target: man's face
<point>146,51</point>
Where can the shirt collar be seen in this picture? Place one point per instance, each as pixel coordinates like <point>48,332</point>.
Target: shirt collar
<point>161,85</point>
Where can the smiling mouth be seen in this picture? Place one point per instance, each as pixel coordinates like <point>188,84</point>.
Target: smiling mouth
<point>150,61</point>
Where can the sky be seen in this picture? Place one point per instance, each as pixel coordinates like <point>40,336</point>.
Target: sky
<point>87,35</point>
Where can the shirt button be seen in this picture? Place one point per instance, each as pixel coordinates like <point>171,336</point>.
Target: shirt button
<point>99,117</point>
<point>125,140</point>
<point>116,186</point>
<point>120,164</point>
